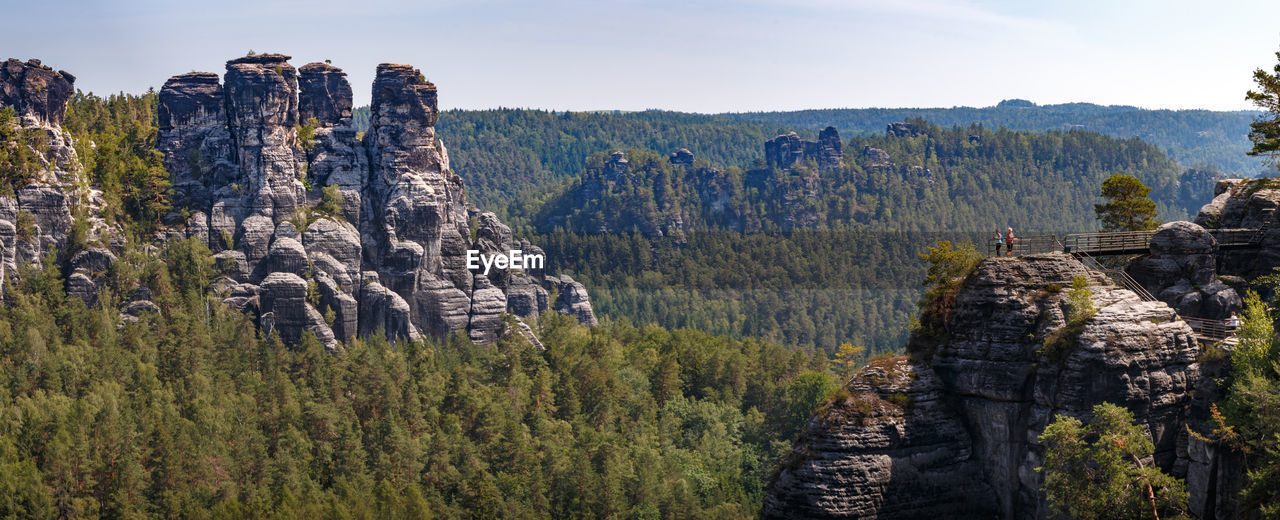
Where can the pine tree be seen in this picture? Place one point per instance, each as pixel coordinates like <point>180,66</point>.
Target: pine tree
<point>1265,130</point>
<point>1096,470</point>
<point>1128,207</point>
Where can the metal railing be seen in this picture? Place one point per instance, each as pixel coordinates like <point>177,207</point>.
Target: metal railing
<point>1110,243</point>
<point>1028,245</point>
<point>1214,330</point>
<point>1119,276</point>
<point>1238,237</point>
<point>1107,242</point>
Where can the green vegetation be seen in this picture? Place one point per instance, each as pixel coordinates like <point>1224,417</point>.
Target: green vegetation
<point>948,267</point>
<point>307,134</point>
<point>1250,419</point>
<point>115,139</point>
<point>1080,300</point>
<point>1096,471</point>
<point>941,180</point>
<point>1079,309</point>
<point>818,258</point>
<point>1128,208</point>
<point>506,154</point>
<point>1193,137</point>
<point>17,160</point>
<point>804,289</point>
<point>1264,131</point>
<point>330,202</point>
<point>189,413</point>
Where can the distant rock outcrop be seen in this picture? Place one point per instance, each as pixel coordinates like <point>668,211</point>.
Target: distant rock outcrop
<point>784,151</point>
<point>955,434</point>
<point>391,258</point>
<point>901,129</point>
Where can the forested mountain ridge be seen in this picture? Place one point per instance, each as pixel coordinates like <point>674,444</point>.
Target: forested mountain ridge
<point>525,150</point>
<point>1192,137</point>
<point>819,256</point>
<point>920,177</point>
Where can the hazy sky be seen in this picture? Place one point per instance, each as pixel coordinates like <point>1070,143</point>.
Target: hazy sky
<point>691,55</point>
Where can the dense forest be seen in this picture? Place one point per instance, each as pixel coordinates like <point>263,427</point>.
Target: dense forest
<point>506,153</point>
<point>190,412</point>
<point>855,284</point>
<point>959,179</point>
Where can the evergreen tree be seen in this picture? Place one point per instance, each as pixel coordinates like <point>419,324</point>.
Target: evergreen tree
<point>1128,207</point>
<point>1264,131</point>
<point>1096,471</point>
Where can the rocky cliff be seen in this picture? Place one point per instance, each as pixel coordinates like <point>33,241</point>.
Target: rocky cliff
<point>1182,271</point>
<point>953,431</point>
<point>313,227</point>
<point>1246,204</point>
<point>784,151</point>
<point>252,156</point>
<point>49,193</point>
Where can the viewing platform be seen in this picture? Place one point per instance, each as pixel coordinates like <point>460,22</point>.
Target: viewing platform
<point>1085,246</point>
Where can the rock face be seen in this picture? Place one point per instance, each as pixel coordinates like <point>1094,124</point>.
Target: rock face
<point>388,254</point>
<point>901,129</point>
<point>1182,272</point>
<point>1246,204</point>
<point>35,90</point>
<point>997,377</point>
<point>40,214</point>
<point>892,449</point>
<point>784,151</point>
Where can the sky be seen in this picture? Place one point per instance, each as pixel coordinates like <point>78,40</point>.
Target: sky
<point>692,55</point>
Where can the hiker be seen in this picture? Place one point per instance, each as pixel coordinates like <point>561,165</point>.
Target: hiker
<point>999,239</point>
<point>1008,239</point>
<point>1233,321</point>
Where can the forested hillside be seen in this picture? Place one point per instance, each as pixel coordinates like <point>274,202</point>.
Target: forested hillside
<point>510,152</point>
<point>818,257</point>
<point>190,412</point>
<point>1192,137</point>
<point>960,179</point>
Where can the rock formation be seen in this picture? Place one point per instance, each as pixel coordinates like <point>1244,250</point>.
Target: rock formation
<point>892,449</point>
<point>901,129</point>
<point>784,151</point>
<point>40,212</point>
<point>1182,272</point>
<point>388,255</point>
<point>1246,204</point>
<point>961,434</point>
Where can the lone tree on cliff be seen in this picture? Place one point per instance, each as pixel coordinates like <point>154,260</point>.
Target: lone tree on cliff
<point>1128,208</point>
<point>1265,130</point>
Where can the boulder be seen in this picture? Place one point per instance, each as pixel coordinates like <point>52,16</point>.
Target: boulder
<point>1181,270</point>
<point>288,256</point>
